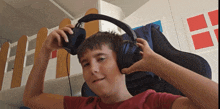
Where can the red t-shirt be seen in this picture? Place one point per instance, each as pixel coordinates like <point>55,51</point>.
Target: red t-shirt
<point>149,99</point>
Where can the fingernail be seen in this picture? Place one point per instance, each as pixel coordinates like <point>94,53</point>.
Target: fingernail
<point>71,32</point>
<point>67,40</point>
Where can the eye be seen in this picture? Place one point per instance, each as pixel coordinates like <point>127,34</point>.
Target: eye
<point>101,59</point>
<point>85,64</point>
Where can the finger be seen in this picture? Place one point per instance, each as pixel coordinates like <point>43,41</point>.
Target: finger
<point>142,41</point>
<point>67,29</point>
<point>70,25</point>
<point>57,37</point>
<point>63,34</point>
<point>131,69</point>
<point>141,52</point>
<point>141,46</point>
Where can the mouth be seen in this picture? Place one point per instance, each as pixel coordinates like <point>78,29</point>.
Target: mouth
<point>95,81</point>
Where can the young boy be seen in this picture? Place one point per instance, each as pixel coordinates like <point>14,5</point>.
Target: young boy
<point>98,58</point>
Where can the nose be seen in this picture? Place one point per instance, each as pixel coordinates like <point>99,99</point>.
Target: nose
<point>94,68</point>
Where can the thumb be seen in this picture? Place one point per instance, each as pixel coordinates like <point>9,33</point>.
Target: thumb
<point>131,69</point>
<point>124,70</point>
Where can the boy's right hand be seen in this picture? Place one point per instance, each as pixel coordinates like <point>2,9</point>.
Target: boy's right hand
<point>54,39</point>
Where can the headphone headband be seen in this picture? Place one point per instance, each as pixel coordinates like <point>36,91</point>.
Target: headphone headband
<point>125,27</point>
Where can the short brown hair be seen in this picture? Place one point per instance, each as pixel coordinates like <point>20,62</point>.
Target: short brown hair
<point>111,39</point>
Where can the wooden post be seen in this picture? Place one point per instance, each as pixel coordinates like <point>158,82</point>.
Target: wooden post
<point>19,62</point>
<point>3,59</point>
<point>62,62</point>
<point>91,27</point>
<point>41,37</point>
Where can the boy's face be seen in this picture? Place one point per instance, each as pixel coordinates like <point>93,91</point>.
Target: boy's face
<point>101,65</point>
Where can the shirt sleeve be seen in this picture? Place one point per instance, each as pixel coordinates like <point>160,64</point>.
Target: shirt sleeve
<point>162,100</point>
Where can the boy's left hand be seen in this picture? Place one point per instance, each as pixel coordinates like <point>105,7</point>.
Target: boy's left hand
<point>144,63</point>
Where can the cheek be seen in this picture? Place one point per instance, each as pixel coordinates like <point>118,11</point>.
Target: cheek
<point>111,64</point>
<point>86,76</point>
<point>112,71</point>
<point>114,67</point>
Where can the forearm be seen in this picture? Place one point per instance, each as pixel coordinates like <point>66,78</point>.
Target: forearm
<point>202,91</point>
<point>34,85</point>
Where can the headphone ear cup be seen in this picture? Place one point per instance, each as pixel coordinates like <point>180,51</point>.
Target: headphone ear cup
<point>128,54</point>
<point>76,39</point>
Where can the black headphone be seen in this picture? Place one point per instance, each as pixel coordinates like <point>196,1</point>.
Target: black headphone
<point>129,52</point>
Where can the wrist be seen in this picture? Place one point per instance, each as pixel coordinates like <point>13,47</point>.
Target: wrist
<point>43,55</point>
<point>45,48</point>
<point>155,62</point>
<point>46,51</point>
<point>161,66</point>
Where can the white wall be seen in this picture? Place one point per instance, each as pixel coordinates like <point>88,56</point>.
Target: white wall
<point>152,11</point>
<point>112,11</point>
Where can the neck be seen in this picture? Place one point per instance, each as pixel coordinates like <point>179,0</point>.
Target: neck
<point>120,95</point>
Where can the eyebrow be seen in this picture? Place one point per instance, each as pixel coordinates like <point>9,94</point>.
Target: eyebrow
<point>96,55</point>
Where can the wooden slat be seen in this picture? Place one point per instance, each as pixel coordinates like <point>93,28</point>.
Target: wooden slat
<point>61,69</point>
<point>3,59</point>
<point>19,62</point>
<point>91,27</point>
<point>41,37</point>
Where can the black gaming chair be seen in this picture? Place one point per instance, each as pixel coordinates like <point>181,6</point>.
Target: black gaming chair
<point>141,81</point>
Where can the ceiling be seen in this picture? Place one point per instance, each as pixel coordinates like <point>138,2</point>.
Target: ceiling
<point>26,17</point>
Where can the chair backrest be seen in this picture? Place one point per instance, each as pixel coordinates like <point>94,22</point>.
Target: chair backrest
<point>188,60</point>
<point>141,81</point>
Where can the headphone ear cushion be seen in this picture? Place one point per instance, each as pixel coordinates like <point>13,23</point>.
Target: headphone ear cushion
<point>128,54</point>
<point>76,39</point>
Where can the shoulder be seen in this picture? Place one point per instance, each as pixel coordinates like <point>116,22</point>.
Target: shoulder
<point>160,99</point>
<point>145,94</point>
<point>163,96</point>
<point>148,93</point>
